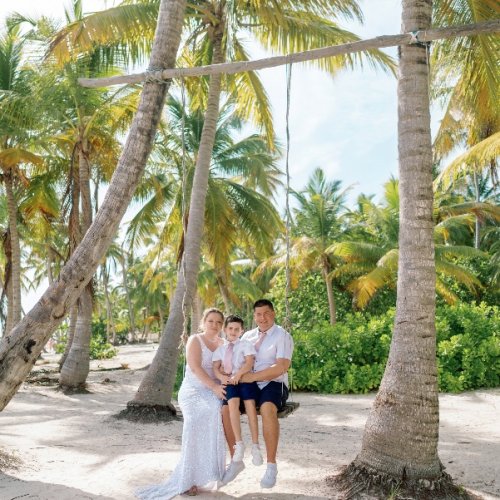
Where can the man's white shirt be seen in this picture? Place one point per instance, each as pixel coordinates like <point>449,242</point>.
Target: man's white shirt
<point>277,343</point>
<point>241,349</point>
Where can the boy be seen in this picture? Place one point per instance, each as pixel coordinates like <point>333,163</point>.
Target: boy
<point>230,362</point>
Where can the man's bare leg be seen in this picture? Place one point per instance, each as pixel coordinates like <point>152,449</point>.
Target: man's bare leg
<point>270,429</point>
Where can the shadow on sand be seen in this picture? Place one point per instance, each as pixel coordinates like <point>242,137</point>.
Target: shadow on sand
<point>12,488</point>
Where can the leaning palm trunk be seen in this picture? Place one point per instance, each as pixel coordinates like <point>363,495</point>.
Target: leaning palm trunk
<point>76,367</point>
<point>30,335</point>
<point>14,283</point>
<point>399,450</point>
<point>152,399</point>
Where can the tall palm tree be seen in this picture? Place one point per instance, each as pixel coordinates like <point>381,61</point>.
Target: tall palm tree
<point>472,117</point>
<point>373,258</point>
<point>30,335</point>
<point>242,182</point>
<point>16,152</point>
<point>214,29</point>
<point>318,223</point>
<point>84,126</point>
<point>216,36</point>
<point>400,440</point>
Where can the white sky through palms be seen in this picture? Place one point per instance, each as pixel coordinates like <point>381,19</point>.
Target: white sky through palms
<point>346,125</point>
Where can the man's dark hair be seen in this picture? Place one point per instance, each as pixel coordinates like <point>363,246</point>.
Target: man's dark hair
<point>232,318</point>
<point>263,303</point>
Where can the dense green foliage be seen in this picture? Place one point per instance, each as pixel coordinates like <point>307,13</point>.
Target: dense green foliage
<point>350,357</point>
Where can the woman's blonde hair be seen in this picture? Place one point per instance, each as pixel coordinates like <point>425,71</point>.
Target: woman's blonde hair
<point>205,314</point>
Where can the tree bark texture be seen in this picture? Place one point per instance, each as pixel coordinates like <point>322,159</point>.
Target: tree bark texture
<point>401,434</point>
<point>76,367</point>
<point>14,284</point>
<point>131,313</point>
<point>379,42</point>
<point>329,292</point>
<point>19,351</point>
<point>158,383</point>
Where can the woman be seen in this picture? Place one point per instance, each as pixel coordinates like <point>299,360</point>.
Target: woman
<point>200,397</point>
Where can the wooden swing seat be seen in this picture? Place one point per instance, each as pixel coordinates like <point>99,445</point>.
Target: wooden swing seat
<point>288,409</point>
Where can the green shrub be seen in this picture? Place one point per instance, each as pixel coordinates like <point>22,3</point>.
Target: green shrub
<point>347,357</point>
<point>99,347</point>
<point>350,357</point>
<point>468,347</point>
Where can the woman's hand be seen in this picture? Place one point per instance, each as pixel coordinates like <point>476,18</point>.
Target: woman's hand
<point>219,391</point>
<point>225,379</point>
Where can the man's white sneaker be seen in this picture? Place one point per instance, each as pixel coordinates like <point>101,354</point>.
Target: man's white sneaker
<point>256,455</point>
<point>239,451</point>
<point>269,478</point>
<point>233,469</point>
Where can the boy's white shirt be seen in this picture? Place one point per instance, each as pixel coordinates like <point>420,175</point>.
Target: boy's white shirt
<point>241,349</point>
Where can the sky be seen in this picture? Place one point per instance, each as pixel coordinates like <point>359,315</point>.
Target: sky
<point>346,125</point>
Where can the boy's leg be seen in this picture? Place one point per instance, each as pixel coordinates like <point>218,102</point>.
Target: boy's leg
<point>270,429</point>
<point>253,422</point>
<point>234,415</point>
<point>228,429</point>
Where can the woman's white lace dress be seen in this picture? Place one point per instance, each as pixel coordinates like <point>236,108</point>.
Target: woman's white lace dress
<point>203,446</point>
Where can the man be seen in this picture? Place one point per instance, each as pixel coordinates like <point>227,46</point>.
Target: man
<point>274,348</point>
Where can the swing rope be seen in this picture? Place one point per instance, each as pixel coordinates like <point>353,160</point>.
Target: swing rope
<point>291,405</point>
<point>185,336</point>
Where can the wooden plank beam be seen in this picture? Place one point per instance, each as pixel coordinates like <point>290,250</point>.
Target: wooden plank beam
<point>492,26</point>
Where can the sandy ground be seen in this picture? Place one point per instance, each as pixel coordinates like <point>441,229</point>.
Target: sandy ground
<point>70,447</point>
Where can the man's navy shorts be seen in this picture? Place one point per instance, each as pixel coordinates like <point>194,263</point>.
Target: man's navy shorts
<point>274,392</point>
<point>243,390</point>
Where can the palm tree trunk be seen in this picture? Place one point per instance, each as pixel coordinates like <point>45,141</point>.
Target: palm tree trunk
<point>477,229</point>
<point>131,314</point>
<point>161,321</point>
<point>325,271</point>
<point>155,390</point>
<point>110,324</point>
<point>75,238</point>
<point>399,450</point>
<point>49,261</point>
<point>224,291</point>
<point>30,335</point>
<point>73,315</point>
<point>76,367</point>
<point>14,283</point>
<point>197,312</point>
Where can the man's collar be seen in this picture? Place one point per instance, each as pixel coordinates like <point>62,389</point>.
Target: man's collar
<point>268,331</point>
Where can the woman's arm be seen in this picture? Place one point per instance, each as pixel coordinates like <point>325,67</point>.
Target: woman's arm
<point>224,379</point>
<point>193,359</point>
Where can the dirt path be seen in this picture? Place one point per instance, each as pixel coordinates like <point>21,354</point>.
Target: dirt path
<point>71,448</point>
